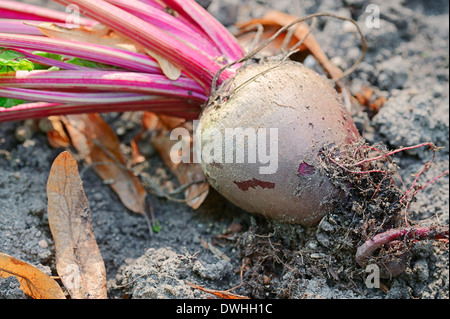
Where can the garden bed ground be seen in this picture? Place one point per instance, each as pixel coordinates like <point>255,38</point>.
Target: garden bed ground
<point>407,62</point>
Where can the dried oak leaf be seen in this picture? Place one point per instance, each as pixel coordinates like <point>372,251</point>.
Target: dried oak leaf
<point>99,145</point>
<point>56,136</point>
<point>186,173</point>
<point>366,98</point>
<point>33,282</point>
<point>272,21</point>
<point>78,259</point>
<point>218,293</point>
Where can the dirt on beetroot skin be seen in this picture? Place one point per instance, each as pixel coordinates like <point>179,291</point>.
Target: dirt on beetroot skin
<point>407,63</point>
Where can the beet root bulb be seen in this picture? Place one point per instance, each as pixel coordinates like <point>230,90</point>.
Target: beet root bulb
<point>261,139</point>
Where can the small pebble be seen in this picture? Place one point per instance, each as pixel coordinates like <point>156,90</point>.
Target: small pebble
<point>311,245</point>
<point>347,26</point>
<point>121,131</point>
<point>98,197</point>
<point>45,125</point>
<point>22,133</point>
<point>43,243</point>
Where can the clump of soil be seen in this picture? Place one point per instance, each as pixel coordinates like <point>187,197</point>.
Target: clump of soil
<point>374,204</point>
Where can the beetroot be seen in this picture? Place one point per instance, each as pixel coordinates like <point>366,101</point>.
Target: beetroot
<point>301,113</point>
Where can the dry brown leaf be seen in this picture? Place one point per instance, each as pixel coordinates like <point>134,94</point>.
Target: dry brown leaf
<point>170,122</point>
<point>218,293</point>
<point>78,259</point>
<point>364,95</point>
<point>274,20</point>
<point>366,98</point>
<point>99,34</point>
<point>57,136</point>
<point>377,104</point>
<point>136,156</point>
<point>33,282</point>
<point>186,173</point>
<point>150,121</point>
<point>99,145</point>
<point>169,69</point>
<point>247,38</point>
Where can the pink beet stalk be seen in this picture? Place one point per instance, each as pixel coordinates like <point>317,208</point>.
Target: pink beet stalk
<point>193,62</point>
<point>74,97</point>
<point>105,80</point>
<point>98,53</point>
<point>27,27</point>
<point>18,27</point>
<point>23,11</point>
<point>51,62</point>
<point>153,3</point>
<point>167,106</point>
<point>170,24</point>
<point>409,233</point>
<point>224,40</point>
<point>199,48</point>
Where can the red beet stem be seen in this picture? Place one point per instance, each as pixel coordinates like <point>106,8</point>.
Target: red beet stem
<point>408,233</point>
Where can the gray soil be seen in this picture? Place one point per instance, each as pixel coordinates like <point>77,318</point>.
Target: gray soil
<point>407,62</point>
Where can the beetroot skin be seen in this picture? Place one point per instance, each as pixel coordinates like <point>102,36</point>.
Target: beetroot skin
<point>307,114</point>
